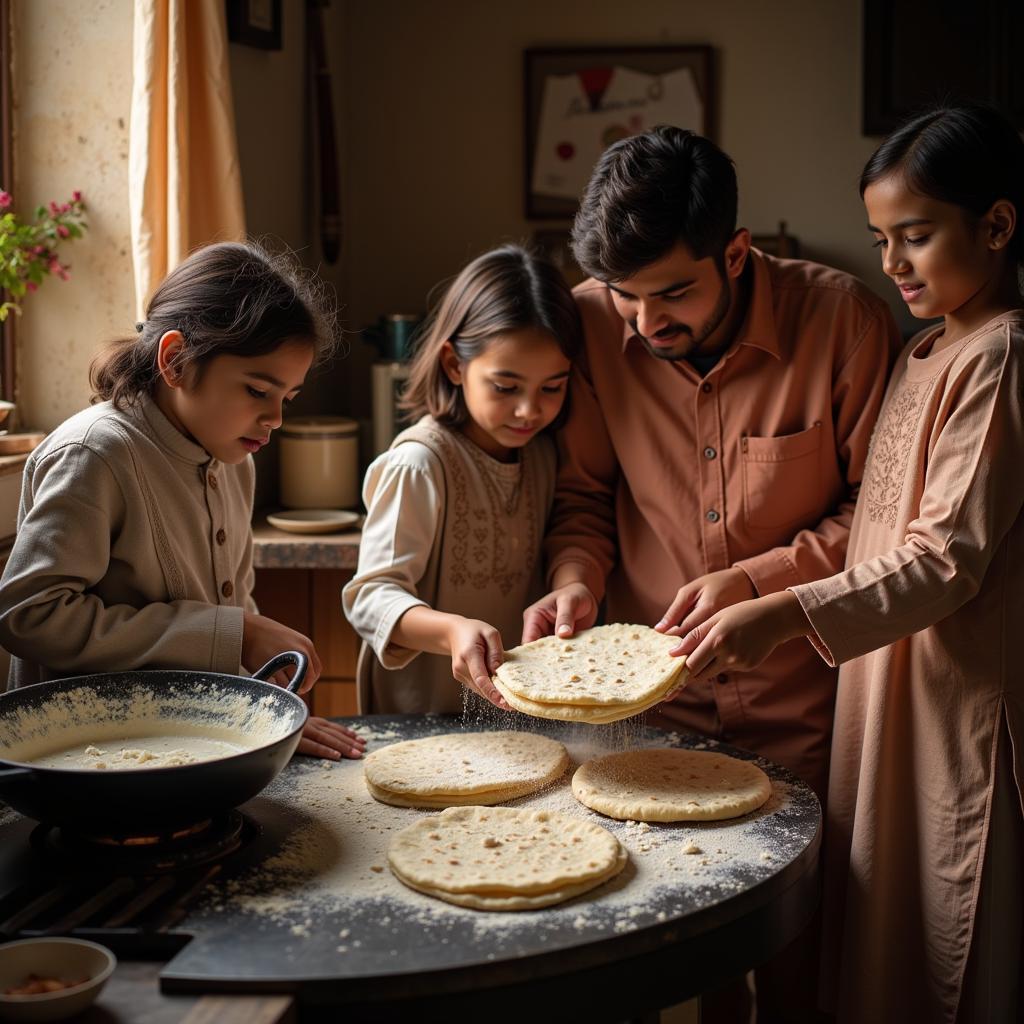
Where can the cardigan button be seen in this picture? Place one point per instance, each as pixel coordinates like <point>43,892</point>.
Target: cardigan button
<point>722,677</point>
<point>227,588</point>
<point>212,480</point>
<point>221,536</point>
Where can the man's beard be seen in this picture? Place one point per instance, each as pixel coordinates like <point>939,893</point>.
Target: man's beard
<point>713,322</point>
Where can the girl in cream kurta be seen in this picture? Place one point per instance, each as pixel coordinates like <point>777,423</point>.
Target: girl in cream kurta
<point>924,839</point>
<point>456,509</point>
<point>452,528</point>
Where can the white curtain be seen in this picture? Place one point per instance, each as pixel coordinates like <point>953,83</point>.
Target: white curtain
<point>184,181</point>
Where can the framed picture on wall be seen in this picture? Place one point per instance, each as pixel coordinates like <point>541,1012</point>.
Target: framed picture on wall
<point>579,101</point>
<point>255,23</point>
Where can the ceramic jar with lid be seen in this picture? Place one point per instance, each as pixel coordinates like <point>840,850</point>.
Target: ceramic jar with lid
<point>319,462</point>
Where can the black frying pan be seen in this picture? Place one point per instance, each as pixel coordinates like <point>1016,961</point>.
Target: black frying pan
<point>135,801</point>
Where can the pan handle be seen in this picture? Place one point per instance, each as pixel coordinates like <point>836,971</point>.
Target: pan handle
<point>299,660</point>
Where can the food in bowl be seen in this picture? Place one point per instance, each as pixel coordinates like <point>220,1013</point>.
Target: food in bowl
<point>70,972</point>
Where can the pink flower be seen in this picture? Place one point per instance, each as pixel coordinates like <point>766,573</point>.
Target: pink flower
<point>5,200</point>
<point>32,286</point>
<point>63,231</point>
<point>54,209</point>
<point>76,196</point>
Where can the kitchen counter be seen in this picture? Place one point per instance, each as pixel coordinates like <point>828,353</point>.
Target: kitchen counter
<point>278,549</point>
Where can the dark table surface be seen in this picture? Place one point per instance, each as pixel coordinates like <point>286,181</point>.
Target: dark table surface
<point>672,925</point>
<point>277,933</point>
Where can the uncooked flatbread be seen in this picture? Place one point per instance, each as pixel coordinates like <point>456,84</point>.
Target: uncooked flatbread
<point>592,713</point>
<point>463,768</point>
<point>605,666</point>
<point>600,675</point>
<point>502,858</point>
<point>671,785</point>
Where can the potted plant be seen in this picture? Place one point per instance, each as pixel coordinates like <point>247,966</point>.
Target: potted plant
<point>28,254</point>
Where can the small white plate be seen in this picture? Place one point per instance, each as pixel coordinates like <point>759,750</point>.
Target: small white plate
<point>314,520</point>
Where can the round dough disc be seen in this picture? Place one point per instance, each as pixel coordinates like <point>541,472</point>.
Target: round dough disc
<point>503,858</point>
<point>607,666</point>
<point>670,785</point>
<point>463,768</point>
<point>593,714</point>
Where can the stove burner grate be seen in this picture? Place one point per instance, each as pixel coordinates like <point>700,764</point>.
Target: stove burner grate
<point>127,892</point>
<point>203,842</point>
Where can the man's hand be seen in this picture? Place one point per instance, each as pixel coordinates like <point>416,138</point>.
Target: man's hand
<point>741,637</point>
<point>703,597</point>
<point>323,738</point>
<point>263,638</point>
<point>477,652</point>
<point>564,611</point>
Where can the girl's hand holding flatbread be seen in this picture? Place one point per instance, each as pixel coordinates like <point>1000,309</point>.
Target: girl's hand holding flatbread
<point>600,675</point>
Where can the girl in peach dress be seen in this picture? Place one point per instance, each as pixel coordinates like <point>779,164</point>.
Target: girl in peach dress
<point>924,841</point>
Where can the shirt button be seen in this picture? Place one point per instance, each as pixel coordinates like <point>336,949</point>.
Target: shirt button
<point>212,480</point>
<point>709,452</point>
<point>722,677</point>
<point>221,536</point>
<point>712,516</point>
<point>227,588</point>
<point>706,388</point>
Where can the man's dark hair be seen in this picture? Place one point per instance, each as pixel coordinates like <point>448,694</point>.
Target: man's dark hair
<point>647,194</point>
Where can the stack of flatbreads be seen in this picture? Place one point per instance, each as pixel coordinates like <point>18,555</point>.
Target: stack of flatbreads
<point>463,768</point>
<point>503,858</point>
<point>599,675</point>
<point>670,785</point>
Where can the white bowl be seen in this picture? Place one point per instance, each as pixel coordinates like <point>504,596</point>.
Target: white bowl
<point>66,959</point>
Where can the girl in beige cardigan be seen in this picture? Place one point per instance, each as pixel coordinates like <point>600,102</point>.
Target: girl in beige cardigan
<point>134,544</point>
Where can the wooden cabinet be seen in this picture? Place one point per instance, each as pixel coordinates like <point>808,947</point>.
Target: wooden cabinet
<point>945,51</point>
<point>309,600</point>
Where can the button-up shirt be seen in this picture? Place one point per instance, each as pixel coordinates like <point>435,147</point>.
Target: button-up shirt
<point>666,476</point>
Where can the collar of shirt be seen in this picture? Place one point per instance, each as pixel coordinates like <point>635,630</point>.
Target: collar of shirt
<point>167,434</point>
<point>758,327</point>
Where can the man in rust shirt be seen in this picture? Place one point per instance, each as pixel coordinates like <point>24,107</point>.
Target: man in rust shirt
<point>719,423</point>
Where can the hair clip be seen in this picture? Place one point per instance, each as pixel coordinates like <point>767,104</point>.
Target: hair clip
<point>140,326</point>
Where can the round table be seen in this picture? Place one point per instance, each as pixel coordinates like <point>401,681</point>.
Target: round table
<point>666,930</point>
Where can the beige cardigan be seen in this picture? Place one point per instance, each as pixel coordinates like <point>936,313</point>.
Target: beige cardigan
<point>449,527</point>
<point>134,550</point>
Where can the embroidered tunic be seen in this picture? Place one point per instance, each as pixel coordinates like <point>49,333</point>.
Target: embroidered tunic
<point>927,624</point>
<point>451,528</point>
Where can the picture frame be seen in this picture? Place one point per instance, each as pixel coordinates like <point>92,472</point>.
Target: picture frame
<point>564,87</point>
<point>254,23</point>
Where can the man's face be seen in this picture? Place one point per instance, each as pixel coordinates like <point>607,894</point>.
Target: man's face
<point>679,306</point>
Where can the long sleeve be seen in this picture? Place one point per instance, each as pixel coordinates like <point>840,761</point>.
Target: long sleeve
<point>72,508</point>
<point>582,529</point>
<point>403,493</point>
<point>857,392</point>
<point>973,492</point>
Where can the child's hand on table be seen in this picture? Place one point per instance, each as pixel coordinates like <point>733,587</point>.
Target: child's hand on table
<point>323,738</point>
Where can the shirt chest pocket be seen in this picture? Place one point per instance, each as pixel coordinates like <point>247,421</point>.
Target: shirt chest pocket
<point>781,485</point>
